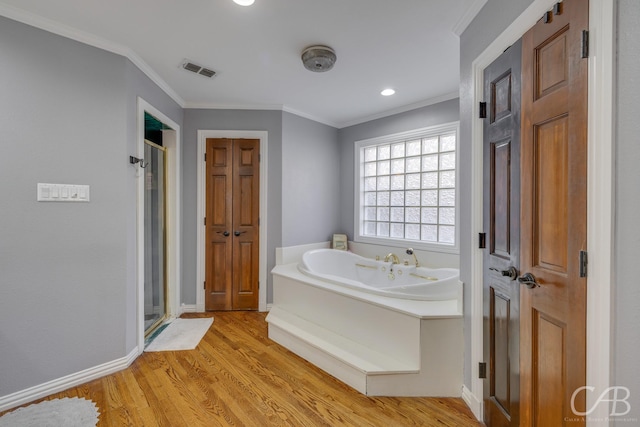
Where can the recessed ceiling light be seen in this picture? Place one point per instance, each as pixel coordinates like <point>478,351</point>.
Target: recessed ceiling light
<point>387,92</point>
<point>244,2</point>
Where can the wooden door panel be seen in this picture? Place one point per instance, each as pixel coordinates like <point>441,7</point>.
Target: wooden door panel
<point>501,97</point>
<point>549,373</point>
<point>550,186</point>
<point>500,321</point>
<point>220,271</point>
<point>245,215</point>
<point>245,294</point>
<point>218,195</point>
<point>500,172</point>
<point>551,64</point>
<point>247,158</point>
<point>246,224</point>
<point>218,252</point>
<point>553,217</point>
<point>501,214</point>
<point>219,153</point>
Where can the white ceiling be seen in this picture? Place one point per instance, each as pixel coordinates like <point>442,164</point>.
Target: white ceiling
<point>409,45</point>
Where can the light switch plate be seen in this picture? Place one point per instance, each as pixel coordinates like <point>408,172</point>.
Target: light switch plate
<point>63,193</point>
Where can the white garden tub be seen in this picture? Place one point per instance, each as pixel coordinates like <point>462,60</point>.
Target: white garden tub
<point>379,277</point>
<point>385,329</point>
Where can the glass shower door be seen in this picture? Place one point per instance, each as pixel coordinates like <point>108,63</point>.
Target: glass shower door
<point>155,301</point>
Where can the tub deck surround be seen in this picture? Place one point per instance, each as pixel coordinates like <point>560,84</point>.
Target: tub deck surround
<point>379,345</point>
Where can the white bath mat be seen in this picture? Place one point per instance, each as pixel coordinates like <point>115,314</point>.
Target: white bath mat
<point>68,412</point>
<point>181,334</point>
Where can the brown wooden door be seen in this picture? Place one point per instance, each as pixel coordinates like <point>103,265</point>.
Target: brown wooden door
<point>553,215</point>
<point>232,224</point>
<point>501,257</point>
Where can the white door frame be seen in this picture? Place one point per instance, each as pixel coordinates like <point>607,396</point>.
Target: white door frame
<point>173,221</point>
<point>599,195</point>
<point>202,183</point>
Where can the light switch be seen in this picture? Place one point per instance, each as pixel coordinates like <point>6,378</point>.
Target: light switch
<point>62,193</point>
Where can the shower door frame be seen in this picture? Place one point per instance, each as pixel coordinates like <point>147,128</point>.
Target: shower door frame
<point>164,287</point>
<point>173,218</point>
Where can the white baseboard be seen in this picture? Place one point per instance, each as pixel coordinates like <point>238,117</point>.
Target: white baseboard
<point>188,308</point>
<point>476,405</point>
<point>194,308</point>
<point>33,393</point>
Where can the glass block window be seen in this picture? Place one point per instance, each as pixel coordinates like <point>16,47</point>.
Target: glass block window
<point>407,186</point>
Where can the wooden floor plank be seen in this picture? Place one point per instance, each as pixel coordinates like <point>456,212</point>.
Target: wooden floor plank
<point>237,376</point>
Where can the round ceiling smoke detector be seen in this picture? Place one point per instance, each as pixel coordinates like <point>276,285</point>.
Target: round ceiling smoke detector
<point>318,58</point>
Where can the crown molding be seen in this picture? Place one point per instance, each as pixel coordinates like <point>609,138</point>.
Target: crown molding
<point>209,106</point>
<point>310,117</point>
<point>466,19</point>
<point>402,109</point>
<point>66,31</point>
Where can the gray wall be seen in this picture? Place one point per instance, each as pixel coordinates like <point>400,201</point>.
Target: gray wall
<point>67,272</point>
<point>626,302</point>
<point>251,120</point>
<point>310,181</point>
<point>432,115</point>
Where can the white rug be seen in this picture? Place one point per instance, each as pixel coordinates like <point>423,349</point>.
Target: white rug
<point>181,334</point>
<point>68,412</point>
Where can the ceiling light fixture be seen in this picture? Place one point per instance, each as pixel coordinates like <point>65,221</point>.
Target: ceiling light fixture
<point>387,92</point>
<point>318,58</point>
<point>244,2</point>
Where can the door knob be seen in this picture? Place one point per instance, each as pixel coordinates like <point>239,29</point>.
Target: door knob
<point>528,280</point>
<point>237,233</point>
<point>511,272</point>
<point>224,233</point>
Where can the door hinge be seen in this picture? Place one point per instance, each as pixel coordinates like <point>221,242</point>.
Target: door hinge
<point>482,370</point>
<point>583,263</point>
<point>205,220</point>
<point>483,110</point>
<point>482,240</point>
<point>557,8</point>
<point>205,157</point>
<point>585,43</point>
<point>204,285</point>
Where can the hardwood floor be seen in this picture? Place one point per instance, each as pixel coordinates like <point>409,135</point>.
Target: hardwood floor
<point>238,377</point>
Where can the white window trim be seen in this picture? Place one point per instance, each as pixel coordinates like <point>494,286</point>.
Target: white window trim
<point>358,181</point>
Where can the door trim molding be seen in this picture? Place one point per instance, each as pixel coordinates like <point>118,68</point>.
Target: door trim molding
<point>200,262</point>
<point>600,201</point>
<point>599,196</point>
<point>173,245</point>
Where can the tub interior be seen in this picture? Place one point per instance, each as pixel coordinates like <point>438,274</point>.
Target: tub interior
<point>399,280</point>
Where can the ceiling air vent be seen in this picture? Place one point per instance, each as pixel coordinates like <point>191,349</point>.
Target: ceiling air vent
<point>198,69</point>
